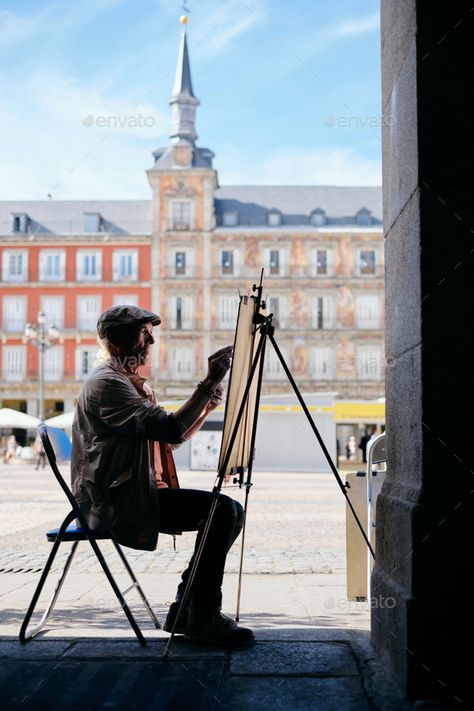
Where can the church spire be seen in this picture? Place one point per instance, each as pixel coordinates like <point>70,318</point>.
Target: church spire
<point>183,102</point>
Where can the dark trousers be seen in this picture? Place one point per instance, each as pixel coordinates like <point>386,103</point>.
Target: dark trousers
<point>187,510</point>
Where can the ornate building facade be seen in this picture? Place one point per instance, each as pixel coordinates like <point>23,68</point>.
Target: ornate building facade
<point>186,253</point>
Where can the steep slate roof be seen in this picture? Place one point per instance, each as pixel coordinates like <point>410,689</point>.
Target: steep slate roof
<point>65,217</point>
<point>297,202</point>
<point>182,82</point>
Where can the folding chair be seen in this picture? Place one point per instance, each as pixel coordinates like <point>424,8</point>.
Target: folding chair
<point>58,449</point>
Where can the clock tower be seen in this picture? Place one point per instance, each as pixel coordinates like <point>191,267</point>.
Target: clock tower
<point>183,181</point>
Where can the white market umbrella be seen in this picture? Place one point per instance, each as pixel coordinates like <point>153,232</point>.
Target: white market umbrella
<point>20,420</point>
<point>63,421</point>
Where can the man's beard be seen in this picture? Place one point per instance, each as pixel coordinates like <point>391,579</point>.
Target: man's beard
<point>138,356</point>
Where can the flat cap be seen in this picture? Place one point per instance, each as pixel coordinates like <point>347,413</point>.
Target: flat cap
<point>124,316</point>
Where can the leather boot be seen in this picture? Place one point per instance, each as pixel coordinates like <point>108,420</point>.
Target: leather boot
<point>171,617</point>
<point>212,627</point>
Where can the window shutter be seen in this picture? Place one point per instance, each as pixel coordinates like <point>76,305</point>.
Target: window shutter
<point>187,304</point>
<point>42,266</point>
<point>134,274</point>
<point>98,274</point>
<point>172,303</point>
<point>62,266</point>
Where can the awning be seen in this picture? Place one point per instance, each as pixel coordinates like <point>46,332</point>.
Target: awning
<point>20,420</point>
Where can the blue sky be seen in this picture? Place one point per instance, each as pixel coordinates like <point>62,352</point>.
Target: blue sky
<point>290,92</point>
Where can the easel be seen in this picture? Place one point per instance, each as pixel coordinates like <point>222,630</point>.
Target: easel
<point>263,325</point>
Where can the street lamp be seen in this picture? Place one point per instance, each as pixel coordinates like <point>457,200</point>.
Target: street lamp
<point>42,338</point>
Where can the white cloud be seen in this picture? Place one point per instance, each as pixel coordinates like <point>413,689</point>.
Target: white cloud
<point>295,166</point>
<point>219,27</point>
<point>69,145</point>
<point>351,27</point>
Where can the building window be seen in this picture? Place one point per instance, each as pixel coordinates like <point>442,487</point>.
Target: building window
<point>318,218</point>
<point>85,361</point>
<point>321,363</point>
<point>274,261</point>
<point>88,311</point>
<point>181,216</point>
<point>20,222</point>
<point>321,262</point>
<point>89,266</point>
<point>92,222</point>
<point>366,262</point>
<point>180,263</point>
<point>54,364</point>
<point>227,262</point>
<point>227,307</point>
<point>274,219</point>
<point>368,362</point>
<point>230,218</point>
<point>363,217</point>
<point>273,367</point>
<point>15,265</point>
<point>322,313</point>
<point>181,313</point>
<point>125,265</point>
<point>53,308</point>
<point>14,313</point>
<point>277,305</point>
<point>182,362</point>
<point>52,265</point>
<point>14,363</point>
<point>368,311</point>
<point>126,300</point>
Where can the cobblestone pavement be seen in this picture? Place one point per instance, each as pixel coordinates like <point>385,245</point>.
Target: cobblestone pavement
<point>295,524</point>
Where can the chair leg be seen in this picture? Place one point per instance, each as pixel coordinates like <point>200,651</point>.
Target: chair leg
<point>24,635</point>
<point>137,585</point>
<point>117,592</point>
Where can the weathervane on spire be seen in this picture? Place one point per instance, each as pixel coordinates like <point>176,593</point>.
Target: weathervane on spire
<point>184,19</point>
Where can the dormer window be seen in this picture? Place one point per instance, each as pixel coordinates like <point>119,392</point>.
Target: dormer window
<point>363,217</point>
<point>20,222</point>
<point>274,218</point>
<point>92,222</point>
<point>230,218</point>
<point>318,218</point>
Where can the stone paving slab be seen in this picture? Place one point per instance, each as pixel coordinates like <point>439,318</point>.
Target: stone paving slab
<point>297,694</point>
<point>74,685</point>
<point>295,658</point>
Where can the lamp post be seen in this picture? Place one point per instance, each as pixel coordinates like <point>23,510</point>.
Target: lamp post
<point>42,339</point>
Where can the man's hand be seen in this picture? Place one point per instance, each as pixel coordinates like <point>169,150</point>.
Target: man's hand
<point>216,399</point>
<point>219,363</point>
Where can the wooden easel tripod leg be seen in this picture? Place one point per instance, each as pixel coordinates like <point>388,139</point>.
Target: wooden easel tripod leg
<point>320,440</point>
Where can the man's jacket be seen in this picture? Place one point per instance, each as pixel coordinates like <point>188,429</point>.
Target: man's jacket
<point>112,472</point>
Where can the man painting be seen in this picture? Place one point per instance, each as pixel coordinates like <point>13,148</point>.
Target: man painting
<point>115,464</point>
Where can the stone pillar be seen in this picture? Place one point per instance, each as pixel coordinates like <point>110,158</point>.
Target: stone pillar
<point>425,516</point>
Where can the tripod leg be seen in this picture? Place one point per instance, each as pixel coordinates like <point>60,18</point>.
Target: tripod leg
<point>248,483</point>
<point>241,563</point>
<point>320,440</point>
